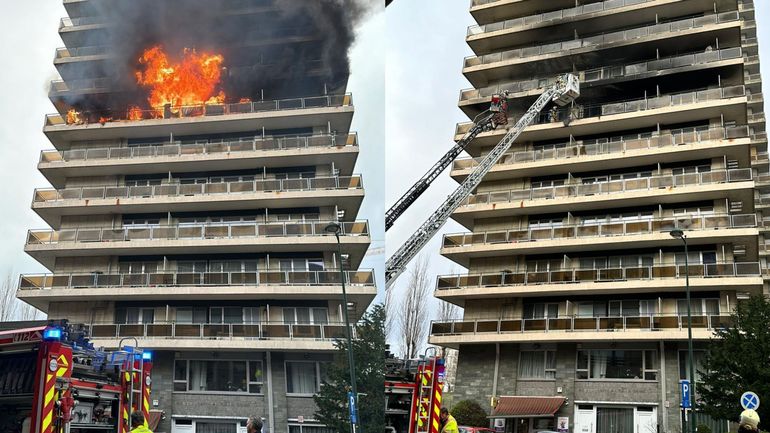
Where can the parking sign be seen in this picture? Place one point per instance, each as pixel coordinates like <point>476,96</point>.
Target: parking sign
<point>684,390</point>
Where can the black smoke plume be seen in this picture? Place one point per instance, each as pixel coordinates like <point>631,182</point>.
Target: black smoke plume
<point>251,35</point>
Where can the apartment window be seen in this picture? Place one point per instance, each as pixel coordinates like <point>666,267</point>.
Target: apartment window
<point>615,262</point>
<point>141,222</point>
<point>251,315</point>
<point>539,223</point>
<point>617,364</point>
<point>143,182</point>
<point>226,315</point>
<point>544,265</point>
<point>694,210</point>
<point>697,258</point>
<point>617,308</point>
<point>537,364</point>
<point>698,307</point>
<point>541,311</point>
<point>134,315</point>
<point>233,266</point>
<point>303,377</point>
<point>616,218</point>
<point>692,170</point>
<point>301,265</point>
<point>189,315</point>
<point>191,266</point>
<point>699,358</point>
<point>138,267</point>
<point>546,183</point>
<point>218,376</point>
<point>305,316</point>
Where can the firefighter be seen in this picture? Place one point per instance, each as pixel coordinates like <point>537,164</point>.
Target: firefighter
<point>448,422</point>
<point>749,422</point>
<point>138,423</point>
<point>254,425</point>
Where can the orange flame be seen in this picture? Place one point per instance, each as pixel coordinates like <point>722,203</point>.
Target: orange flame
<point>192,81</point>
<point>104,120</point>
<point>73,117</point>
<point>134,113</point>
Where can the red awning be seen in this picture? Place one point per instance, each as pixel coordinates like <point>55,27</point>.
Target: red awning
<point>524,407</point>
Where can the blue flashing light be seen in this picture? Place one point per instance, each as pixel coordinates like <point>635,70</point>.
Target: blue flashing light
<point>52,333</point>
<point>147,356</point>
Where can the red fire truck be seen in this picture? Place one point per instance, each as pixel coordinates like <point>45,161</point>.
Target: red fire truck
<point>52,380</point>
<point>413,390</point>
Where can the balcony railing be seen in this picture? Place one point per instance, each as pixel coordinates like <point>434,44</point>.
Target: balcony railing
<point>61,86</point>
<point>207,147</point>
<point>608,72</point>
<point>608,229</point>
<point>565,47</point>
<point>604,146</point>
<point>612,186</point>
<point>553,16</point>
<point>211,188</point>
<point>68,53</point>
<point>81,21</point>
<point>595,275</point>
<point>191,232</point>
<point>187,279</point>
<point>214,331</point>
<point>631,106</point>
<point>101,117</point>
<point>577,324</point>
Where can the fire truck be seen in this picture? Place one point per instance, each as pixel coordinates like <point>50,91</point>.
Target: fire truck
<point>53,380</point>
<point>413,391</point>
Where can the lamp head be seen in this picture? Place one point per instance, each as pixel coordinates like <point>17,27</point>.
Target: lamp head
<point>676,233</point>
<point>333,228</point>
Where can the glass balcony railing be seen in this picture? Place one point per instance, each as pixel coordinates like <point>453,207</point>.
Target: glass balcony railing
<point>563,48</point>
<point>68,53</point>
<point>611,186</point>
<point>604,146</point>
<point>575,12</point>
<point>187,279</point>
<point>192,232</point>
<point>607,72</point>
<point>608,229</point>
<point>246,107</point>
<point>627,323</point>
<point>195,189</point>
<point>203,331</point>
<point>595,275</point>
<point>80,21</point>
<point>203,147</point>
<point>577,112</point>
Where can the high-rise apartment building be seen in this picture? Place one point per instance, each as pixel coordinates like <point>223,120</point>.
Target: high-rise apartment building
<point>574,300</point>
<point>199,230</point>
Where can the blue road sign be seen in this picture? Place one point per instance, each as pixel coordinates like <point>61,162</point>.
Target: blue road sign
<point>750,400</point>
<point>684,390</point>
<point>352,406</point>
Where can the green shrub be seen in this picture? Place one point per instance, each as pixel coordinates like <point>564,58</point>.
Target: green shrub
<point>469,413</point>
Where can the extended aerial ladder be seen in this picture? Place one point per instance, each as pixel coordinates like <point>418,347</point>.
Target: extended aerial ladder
<point>563,92</point>
<point>486,121</point>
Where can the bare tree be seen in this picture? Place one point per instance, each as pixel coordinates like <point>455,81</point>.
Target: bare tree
<point>390,313</point>
<point>413,312</point>
<point>12,308</point>
<point>446,312</point>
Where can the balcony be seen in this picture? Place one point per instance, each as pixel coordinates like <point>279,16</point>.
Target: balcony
<point>596,76</point>
<point>478,69</point>
<point>262,336</point>
<point>204,155</point>
<point>97,85</point>
<point>46,245</point>
<point>610,153</point>
<point>591,119</point>
<point>660,278</point>
<point>40,289</point>
<point>659,189</point>
<point>576,329</point>
<point>336,111</point>
<point>643,233</point>
<point>344,191</point>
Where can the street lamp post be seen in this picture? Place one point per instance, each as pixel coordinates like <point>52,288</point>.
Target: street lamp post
<point>679,234</point>
<point>335,228</point>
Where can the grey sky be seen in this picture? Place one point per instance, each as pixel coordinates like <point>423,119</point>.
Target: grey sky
<point>426,47</point>
<point>30,39</point>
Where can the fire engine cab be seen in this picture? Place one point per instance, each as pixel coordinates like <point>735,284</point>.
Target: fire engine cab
<point>52,380</point>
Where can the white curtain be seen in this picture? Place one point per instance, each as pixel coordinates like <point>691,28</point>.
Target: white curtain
<point>215,427</point>
<point>599,364</point>
<point>301,377</point>
<point>614,420</point>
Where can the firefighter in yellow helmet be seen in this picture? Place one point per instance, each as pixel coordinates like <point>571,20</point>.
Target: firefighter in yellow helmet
<point>448,422</point>
<point>749,422</point>
<point>138,423</point>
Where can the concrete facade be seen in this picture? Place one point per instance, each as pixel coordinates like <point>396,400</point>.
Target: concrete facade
<point>200,231</point>
<point>574,287</point>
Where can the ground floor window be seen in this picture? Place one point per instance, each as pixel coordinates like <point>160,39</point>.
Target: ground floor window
<point>614,420</point>
<point>216,427</point>
<point>304,428</point>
